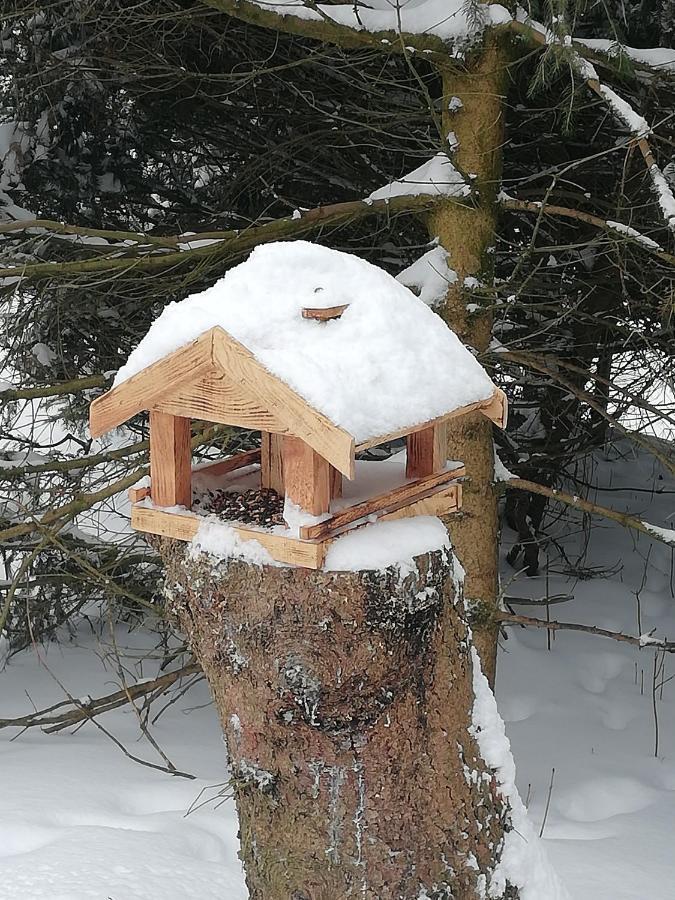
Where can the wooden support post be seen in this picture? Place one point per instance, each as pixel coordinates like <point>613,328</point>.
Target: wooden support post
<point>170,460</point>
<point>426,451</point>
<point>306,476</point>
<point>335,483</point>
<point>271,462</point>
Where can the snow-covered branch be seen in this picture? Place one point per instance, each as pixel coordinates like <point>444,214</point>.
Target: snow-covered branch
<point>215,244</point>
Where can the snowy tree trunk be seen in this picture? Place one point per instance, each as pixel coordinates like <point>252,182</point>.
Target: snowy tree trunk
<point>473,110</point>
<point>346,702</point>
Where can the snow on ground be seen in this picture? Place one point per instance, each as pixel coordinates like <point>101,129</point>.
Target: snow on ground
<point>80,820</point>
<point>585,708</point>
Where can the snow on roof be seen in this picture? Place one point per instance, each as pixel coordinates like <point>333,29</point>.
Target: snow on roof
<point>386,364</point>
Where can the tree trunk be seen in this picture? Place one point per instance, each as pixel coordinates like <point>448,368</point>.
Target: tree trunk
<point>468,234</point>
<point>346,702</point>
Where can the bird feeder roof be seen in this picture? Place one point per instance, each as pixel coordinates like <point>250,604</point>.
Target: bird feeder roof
<point>380,365</point>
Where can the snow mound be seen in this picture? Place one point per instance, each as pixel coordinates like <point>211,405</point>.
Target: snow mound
<point>219,539</point>
<point>429,276</point>
<point>437,177</point>
<point>387,363</point>
<point>384,544</point>
<point>524,862</point>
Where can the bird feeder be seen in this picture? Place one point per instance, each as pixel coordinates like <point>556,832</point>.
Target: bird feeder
<point>306,448</point>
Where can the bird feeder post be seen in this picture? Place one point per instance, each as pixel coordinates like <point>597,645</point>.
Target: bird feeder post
<point>170,460</point>
<point>426,451</point>
<point>306,476</point>
<point>271,462</point>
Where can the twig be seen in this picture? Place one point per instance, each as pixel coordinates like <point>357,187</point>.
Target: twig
<point>505,618</point>
<point>548,803</point>
<point>71,712</point>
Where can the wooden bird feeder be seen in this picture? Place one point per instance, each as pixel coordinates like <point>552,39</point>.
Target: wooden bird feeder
<point>303,455</point>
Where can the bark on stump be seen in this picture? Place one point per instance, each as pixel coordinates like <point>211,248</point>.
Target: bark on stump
<point>345,699</point>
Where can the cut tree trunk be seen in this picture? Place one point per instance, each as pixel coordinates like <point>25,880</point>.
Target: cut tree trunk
<point>346,703</point>
<point>468,234</point>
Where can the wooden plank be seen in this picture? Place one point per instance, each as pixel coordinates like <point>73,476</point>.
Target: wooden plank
<point>143,390</point>
<point>218,398</point>
<point>289,550</point>
<point>426,451</point>
<point>300,419</point>
<point>442,503</point>
<point>138,493</point>
<point>497,408</point>
<point>381,504</point>
<point>323,313</point>
<point>306,476</point>
<point>271,462</point>
<point>167,524</point>
<point>335,479</point>
<point>170,460</point>
<point>231,464</point>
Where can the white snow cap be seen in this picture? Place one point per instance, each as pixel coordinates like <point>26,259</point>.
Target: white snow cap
<point>385,544</point>
<point>386,364</point>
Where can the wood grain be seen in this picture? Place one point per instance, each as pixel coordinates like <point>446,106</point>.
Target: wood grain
<point>426,451</point>
<point>271,462</point>
<point>217,398</point>
<point>170,460</point>
<point>442,503</point>
<point>138,493</point>
<point>306,476</point>
<point>144,390</point>
<point>292,551</point>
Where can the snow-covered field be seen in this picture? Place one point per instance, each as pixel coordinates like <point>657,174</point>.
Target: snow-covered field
<point>78,819</point>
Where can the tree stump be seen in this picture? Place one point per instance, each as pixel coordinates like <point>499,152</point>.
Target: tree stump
<point>346,700</point>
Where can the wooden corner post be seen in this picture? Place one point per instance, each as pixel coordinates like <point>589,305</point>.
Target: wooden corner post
<point>170,460</point>
<point>271,462</point>
<point>426,451</point>
<point>306,476</point>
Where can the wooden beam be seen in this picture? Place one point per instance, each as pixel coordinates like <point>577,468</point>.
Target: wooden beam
<point>306,476</point>
<point>497,409</point>
<point>426,451</point>
<point>443,503</point>
<point>299,417</point>
<point>323,313</point>
<point>170,460</point>
<point>335,478</point>
<point>142,391</point>
<point>289,550</point>
<point>217,398</point>
<point>138,493</point>
<point>231,464</point>
<point>381,504</point>
<point>271,462</point>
